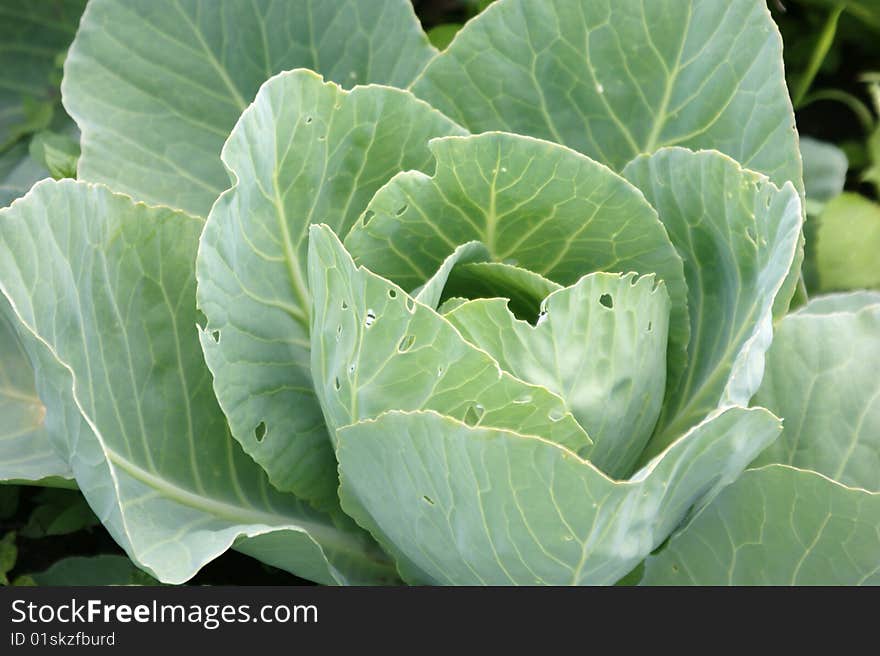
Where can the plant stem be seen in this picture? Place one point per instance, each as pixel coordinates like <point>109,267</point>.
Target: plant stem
<point>860,109</point>
<point>801,296</point>
<point>823,45</point>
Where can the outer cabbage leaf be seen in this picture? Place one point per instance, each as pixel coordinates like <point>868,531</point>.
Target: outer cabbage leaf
<point>374,348</point>
<point>157,85</point>
<point>466,505</point>
<point>821,375</point>
<point>306,151</point>
<point>776,526</point>
<point>738,235</point>
<point>534,204</point>
<point>617,78</point>
<point>779,525</point>
<point>26,453</point>
<point>599,344</point>
<point>104,289</point>
<point>849,302</point>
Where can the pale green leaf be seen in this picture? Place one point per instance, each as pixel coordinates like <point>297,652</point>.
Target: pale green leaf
<point>468,505</point>
<point>305,152</point>
<point>738,235</point>
<point>847,244</point>
<point>157,85</point>
<point>821,376</point>
<point>432,291</point>
<point>104,289</point>
<point>600,345</point>
<point>617,78</point>
<point>776,526</point>
<point>374,348</point>
<point>533,204</point>
<point>849,302</point>
<point>450,304</point>
<point>26,454</point>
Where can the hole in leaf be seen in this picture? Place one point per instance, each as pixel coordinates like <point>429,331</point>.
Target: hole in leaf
<point>215,335</point>
<point>406,343</point>
<point>323,137</point>
<point>402,209</point>
<point>337,384</point>
<point>474,414</point>
<point>371,318</point>
<point>410,305</point>
<point>753,236</point>
<point>525,398</point>
<point>428,500</point>
<point>308,120</point>
<point>392,293</point>
<point>607,301</point>
<point>439,371</point>
<point>338,332</point>
<point>556,414</point>
<point>542,317</point>
<point>344,305</point>
<point>351,368</point>
<point>368,216</point>
<point>260,431</point>
<point>650,326</point>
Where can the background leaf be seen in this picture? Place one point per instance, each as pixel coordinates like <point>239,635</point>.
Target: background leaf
<point>18,172</point>
<point>825,167</point>
<point>33,34</point>
<point>89,571</point>
<point>58,512</point>
<point>847,244</point>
